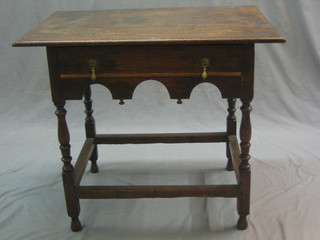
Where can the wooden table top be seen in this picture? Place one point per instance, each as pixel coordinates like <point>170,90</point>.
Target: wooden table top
<point>190,25</point>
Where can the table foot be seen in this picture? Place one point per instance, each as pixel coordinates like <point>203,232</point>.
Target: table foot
<point>76,224</point>
<point>229,165</point>
<point>94,167</point>
<point>242,222</point>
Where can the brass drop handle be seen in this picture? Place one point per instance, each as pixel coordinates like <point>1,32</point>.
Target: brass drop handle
<point>205,62</point>
<point>92,64</point>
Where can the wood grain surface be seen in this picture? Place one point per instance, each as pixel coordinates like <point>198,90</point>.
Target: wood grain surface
<point>193,25</point>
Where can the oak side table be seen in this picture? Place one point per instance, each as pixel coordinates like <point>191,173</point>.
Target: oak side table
<point>181,48</point>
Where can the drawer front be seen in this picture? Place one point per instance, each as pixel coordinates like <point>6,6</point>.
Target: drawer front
<point>179,68</point>
<point>153,60</point>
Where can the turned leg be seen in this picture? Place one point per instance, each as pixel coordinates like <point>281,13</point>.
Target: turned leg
<point>244,168</point>
<point>90,127</point>
<point>231,128</point>
<point>72,201</point>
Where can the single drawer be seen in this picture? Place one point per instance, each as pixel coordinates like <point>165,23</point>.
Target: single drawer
<point>150,61</point>
<point>178,67</point>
